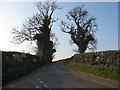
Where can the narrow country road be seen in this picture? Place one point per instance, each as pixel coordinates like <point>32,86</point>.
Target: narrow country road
<point>56,75</point>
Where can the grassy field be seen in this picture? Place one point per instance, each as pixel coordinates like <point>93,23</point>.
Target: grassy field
<point>95,70</point>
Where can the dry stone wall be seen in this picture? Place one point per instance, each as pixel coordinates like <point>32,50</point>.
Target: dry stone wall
<point>109,59</point>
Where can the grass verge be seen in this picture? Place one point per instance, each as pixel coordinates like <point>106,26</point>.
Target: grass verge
<point>95,70</point>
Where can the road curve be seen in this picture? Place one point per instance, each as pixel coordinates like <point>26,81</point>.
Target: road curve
<point>56,75</point>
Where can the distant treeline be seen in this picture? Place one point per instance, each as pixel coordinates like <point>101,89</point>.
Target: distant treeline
<point>16,64</point>
<point>109,59</point>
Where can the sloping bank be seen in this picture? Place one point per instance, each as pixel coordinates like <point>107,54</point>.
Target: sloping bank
<point>16,64</point>
<point>104,64</point>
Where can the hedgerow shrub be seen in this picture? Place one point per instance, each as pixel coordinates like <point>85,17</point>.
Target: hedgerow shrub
<point>16,64</point>
<point>104,58</point>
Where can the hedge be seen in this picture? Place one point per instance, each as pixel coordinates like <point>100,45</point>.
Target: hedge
<point>16,64</point>
<point>103,58</point>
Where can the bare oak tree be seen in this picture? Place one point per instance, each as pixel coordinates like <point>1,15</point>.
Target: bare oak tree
<point>81,29</point>
<point>38,28</point>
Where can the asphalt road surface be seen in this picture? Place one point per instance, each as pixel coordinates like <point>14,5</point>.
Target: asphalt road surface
<point>56,75</point>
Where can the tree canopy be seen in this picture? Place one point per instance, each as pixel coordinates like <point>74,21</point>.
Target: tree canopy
<point>81,29</point>
<point>38,28</point>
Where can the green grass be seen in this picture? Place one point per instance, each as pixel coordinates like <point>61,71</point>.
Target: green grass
<point>95,70</point>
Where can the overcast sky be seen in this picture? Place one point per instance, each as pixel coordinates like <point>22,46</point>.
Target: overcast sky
<point>14,14</point>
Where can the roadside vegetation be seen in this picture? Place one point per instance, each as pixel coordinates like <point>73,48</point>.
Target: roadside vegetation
<point>19,73</point>
<point>16,65</point>
<point>95,70</point>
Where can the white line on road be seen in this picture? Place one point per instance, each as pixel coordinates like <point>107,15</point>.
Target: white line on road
<point>41,81</point>
<point>45,85</point>
<point>36,85</point>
